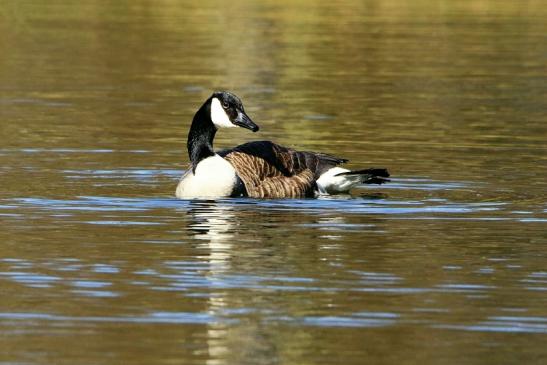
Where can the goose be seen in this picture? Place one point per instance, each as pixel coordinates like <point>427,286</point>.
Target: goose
<point>260,169</point>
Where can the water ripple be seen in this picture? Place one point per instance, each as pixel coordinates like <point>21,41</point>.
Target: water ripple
<point>391,208</point>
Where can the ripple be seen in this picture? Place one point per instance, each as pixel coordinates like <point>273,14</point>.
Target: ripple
<point>123,223</point>
<point>105,269</point>
<point>31,279</point>
<point>504,324</point>
<point>426,209</point>
<point>154,317</point>
<point>91,284</point>
<point>465,287</point>
<point>96,293</point>
<point>362,319</point>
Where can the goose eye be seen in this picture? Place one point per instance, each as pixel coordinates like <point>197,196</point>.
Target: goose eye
<point>225,105</point>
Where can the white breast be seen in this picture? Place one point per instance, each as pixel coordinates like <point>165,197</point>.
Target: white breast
<point>214,177</point>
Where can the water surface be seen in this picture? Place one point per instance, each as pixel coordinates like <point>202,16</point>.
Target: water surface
<point>100,264</point>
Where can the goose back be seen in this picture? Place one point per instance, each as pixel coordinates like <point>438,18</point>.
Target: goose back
<point>269,170</point>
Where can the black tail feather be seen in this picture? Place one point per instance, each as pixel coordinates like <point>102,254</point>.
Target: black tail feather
<point>370,176</point>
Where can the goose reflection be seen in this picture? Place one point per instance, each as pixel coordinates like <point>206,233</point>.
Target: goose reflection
<point>211,220</point>
<point>214,224</point>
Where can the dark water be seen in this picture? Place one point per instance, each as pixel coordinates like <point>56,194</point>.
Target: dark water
<point>99,264</point>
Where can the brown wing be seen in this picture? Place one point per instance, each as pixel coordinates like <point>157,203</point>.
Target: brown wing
<point>272,171</point>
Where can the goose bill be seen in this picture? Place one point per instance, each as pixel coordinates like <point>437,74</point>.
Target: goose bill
<point>243,120</point>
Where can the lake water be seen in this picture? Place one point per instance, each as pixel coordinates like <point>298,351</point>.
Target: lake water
<point>447,264</point>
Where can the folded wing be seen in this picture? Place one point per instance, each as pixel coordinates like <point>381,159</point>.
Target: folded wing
<point>269,170</point>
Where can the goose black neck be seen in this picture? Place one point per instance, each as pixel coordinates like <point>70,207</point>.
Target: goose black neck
<point>201,135</point>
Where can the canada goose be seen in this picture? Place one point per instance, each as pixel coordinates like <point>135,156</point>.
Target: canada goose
<point>260,169</point>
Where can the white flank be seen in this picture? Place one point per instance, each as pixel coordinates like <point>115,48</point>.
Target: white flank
<point>219,116</point>
<point>214,177</point>
<point>328,183</point>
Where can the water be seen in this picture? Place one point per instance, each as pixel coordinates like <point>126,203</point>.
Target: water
<point>99,264</point>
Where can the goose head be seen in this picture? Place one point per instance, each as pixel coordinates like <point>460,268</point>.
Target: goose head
<point>227,111</point>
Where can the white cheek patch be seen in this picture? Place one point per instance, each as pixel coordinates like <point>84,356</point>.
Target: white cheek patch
<point>219,116</point>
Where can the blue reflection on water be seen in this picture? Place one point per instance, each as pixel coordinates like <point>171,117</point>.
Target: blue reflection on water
<point>346,205</point>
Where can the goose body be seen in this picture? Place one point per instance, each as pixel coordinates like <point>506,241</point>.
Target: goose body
<point>260,169</point>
